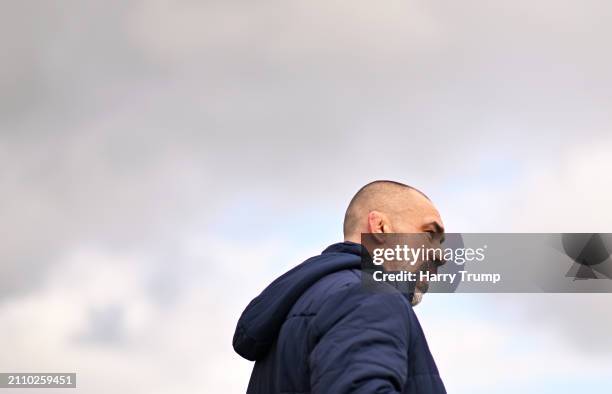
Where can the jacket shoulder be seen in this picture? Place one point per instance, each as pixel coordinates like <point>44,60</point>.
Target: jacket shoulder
<point>313,299</point>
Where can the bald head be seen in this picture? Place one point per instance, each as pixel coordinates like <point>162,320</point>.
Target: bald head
<point>387,206</point>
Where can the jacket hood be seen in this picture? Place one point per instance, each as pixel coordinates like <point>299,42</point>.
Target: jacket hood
<point>260,323</point>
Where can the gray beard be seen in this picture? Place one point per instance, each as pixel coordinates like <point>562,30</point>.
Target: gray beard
<point>417,297</point>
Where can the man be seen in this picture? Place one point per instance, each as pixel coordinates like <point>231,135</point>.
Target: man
<point>316,329</point>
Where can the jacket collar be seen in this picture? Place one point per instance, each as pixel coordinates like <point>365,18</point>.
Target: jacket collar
<point>360,250</point>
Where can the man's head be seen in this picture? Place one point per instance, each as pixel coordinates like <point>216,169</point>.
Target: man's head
<point>392,207</point>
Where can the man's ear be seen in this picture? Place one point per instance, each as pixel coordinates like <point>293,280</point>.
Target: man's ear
<point>378,224</point>
<point>375,222</point>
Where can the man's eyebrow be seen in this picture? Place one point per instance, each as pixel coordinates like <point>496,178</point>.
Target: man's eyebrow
<point>438,229</point>
<point>436,226</point>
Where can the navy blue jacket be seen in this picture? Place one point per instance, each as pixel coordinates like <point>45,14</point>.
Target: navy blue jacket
<point>316,329</point>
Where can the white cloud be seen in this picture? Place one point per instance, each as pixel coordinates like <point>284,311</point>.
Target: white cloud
<point>485,343</point>
<point>153,349</point>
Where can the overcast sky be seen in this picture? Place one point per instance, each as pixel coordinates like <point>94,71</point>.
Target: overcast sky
<point>162,161</point>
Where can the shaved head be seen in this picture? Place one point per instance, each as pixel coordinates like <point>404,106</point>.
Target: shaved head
<point>391,207</point>
<point>396,201</point>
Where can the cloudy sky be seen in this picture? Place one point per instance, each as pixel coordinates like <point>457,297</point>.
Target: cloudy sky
<point>162,161</point>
